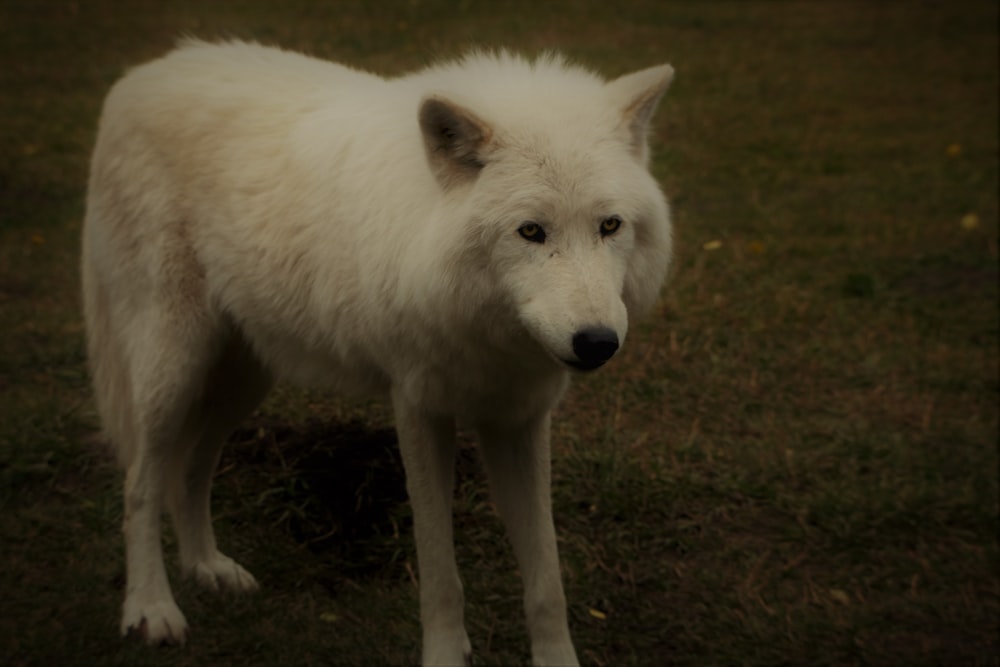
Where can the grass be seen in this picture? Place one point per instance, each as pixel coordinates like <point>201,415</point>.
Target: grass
<point>794,461</point>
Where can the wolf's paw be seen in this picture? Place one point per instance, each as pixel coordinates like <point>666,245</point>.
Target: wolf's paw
<point>157,623</point>
<point>221,572</point>
<point>558,653</point>
<point>448,649</point>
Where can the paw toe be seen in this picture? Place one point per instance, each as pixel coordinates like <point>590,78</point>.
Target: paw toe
<point>224,573</point>
<point>158,624</point>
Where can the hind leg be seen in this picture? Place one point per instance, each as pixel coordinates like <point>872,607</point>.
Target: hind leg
<point>233,388</point>
<point>168,362</point>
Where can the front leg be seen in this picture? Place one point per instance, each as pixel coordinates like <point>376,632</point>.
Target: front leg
<point>427,444</point>
<point>518,462</point>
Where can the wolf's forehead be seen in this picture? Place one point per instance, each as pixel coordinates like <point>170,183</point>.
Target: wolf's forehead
<point>561,171</point>
<point>584,169</point>
<point>553,194</point>
<point>574,187</point>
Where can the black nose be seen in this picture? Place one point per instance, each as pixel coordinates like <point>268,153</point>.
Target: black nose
<point>593,346</point>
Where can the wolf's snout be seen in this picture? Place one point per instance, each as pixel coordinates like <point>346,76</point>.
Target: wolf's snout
<point>593,346</point>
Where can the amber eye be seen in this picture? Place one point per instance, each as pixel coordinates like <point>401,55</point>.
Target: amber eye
<point>610,225</point>
<point>532,231</point>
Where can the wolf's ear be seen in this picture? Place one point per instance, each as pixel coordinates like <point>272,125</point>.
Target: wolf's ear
<point>638,95</point>
<point>454,138</point>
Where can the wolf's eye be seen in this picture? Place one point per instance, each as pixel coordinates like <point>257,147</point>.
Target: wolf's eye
<point>610,225</point>
<point>532,231</point>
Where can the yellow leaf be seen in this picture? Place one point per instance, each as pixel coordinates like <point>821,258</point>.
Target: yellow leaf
<point>599,615</point>
<point>954,150</point>
<point>713,245</point>
<point>329,617</point>
<point>840,596</point>
<point>756,248</point>
<point>37,239</point>
<point>970,221</point>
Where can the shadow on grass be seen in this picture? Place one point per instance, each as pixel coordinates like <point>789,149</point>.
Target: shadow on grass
<point>337,489</point>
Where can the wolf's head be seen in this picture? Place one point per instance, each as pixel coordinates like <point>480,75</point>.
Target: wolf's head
<point>550,163</point>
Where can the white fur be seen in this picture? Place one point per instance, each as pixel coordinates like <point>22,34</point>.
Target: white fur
<point>256,215</point>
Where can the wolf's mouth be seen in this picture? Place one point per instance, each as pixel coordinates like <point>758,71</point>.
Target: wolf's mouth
<point>585,366</point>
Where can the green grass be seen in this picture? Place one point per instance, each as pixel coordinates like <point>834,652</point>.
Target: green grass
<point>794,461</point>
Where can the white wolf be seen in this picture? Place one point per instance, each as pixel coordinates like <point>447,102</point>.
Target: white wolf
<point>457,240</point>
